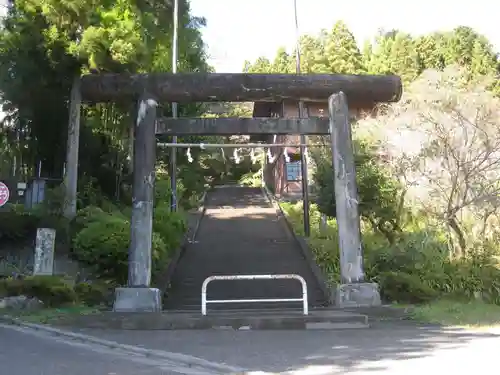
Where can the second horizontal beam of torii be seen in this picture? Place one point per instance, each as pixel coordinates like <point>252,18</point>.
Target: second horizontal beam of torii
<point>240,87</point>
<point>242,126</point>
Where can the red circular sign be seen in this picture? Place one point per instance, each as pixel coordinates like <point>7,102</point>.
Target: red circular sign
<point>4,194</point>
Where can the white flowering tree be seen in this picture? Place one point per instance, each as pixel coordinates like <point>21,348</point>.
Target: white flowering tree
<point>443,142</point>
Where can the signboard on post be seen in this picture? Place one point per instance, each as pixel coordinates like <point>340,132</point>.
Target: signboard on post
<point>4,194</point>
<point>293,171</point>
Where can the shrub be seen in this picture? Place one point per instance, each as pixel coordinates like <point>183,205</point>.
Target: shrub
<point>51,290</point>
<point>252,179</point>
<point>415,268</point>
<point>17,225</point>
<point>403,287</point>
<point>171,226</point>
<point>103,245</point>
<point>378,191</point>
<point>95,293</point>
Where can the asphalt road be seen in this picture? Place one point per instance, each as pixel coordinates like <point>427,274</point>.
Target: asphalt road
<point>386,349</point>
<point>390,350</point>
<point>24,352</point>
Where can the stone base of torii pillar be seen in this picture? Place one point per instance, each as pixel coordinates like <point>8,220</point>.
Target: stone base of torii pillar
<point>137,300</point>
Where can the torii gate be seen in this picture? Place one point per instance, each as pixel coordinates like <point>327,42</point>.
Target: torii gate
<point>149,89</point>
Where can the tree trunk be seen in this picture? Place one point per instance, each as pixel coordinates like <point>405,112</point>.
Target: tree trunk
<point>452,223</point>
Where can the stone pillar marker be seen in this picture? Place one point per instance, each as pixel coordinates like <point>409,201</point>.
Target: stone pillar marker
<point>43,263</point>
<point>138,296</point>
<point>353,290</point>
<point>323,223</point>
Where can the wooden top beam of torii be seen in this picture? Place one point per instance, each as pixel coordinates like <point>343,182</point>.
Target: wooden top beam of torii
<point>242,87</point>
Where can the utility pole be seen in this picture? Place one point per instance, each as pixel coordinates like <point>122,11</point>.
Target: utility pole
<point>173,152</point>
<point>303,157</point>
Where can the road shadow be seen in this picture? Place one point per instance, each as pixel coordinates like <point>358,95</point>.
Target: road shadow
<point>306,352</point>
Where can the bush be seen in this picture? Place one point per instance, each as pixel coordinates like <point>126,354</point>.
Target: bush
<point>403,287</point>
<point>252,179</point>
<point>17,225</point>
<point>171,226</point>
<point>51,290</point>
<point>103,244</point>
<point>416,268</point>
<point>95,293</point>
<point>378,191</point>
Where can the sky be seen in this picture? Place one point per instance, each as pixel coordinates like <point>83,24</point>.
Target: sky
<point>239,30</point>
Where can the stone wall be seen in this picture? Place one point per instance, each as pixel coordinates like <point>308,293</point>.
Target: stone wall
<point>21,256</point>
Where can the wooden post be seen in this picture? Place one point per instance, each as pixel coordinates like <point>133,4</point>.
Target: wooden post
<point>71,172</point>
<point>353,290</point>
<point>138,296</point>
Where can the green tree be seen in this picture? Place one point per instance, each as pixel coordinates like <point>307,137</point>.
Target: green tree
<point>378,192</point>
<point>262,65</point>
<point>44,44</point>
<point>283,62</point>
<point>342,52</point>
<point>395,53</point>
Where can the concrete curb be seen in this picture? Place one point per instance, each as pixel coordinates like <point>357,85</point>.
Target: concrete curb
<point>304,248</point>
<point>182,359</point>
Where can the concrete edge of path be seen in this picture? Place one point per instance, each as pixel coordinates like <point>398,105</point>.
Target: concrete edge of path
<point>152,353</point>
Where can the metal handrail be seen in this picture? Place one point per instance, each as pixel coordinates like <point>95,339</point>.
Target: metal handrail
<point>209,279</point>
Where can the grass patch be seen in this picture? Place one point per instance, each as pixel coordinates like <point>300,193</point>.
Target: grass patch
<point>48,316</point>
<point>473,314</point>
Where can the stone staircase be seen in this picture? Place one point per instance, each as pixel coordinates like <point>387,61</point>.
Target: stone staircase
<point>241,234</point>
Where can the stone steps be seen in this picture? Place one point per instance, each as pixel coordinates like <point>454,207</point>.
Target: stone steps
<point>234,320</point>
<point>241,235</point>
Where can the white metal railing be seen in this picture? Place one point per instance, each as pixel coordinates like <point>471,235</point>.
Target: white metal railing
<point>209,279</point>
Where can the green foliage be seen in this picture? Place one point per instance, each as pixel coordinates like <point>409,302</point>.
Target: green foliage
<point>101,244</point>
<point>170,226</point>
<point>378,191</point>
<point>416,268</point>
<point>403,287</point>
<point>94,293</point>
<point>394,52</point>
<point>86,216</point>
<point>45,44</point>
<point>17,225</point>
<point>51,290</point>
<point>253,179</point>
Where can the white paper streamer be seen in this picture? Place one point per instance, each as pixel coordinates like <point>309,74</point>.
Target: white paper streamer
<point>236,156</point>
<point>270,156</point>
<point>188,154</point>
<point>287,157</point>
<point>252,156</point>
